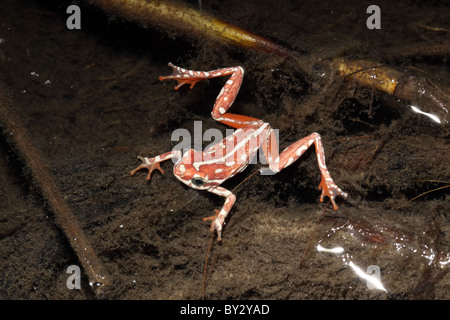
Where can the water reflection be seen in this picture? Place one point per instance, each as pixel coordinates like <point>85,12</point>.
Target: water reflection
<point>429,115</point>
<point>372,279</point>
<point>386,258</point>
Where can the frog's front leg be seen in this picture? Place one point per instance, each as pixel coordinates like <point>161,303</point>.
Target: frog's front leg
<point>219,218</point>
<point>153,163</point>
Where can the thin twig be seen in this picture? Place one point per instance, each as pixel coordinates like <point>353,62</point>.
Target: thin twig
<point>18,137</point>
<point>206,266</point>
<point>429,191</point>
<point>433,28</point>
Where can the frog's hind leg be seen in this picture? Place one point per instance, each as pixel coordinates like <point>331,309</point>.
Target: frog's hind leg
<point>226,96</point>
<point>279,161</point>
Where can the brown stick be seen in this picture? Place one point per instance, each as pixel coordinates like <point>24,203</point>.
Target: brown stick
<point>431,99</point>
<point>17,136</point>
<point>175,16</point>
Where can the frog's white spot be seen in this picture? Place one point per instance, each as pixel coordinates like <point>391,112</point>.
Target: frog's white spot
<point>225,98</point>
<point>244,158</point>
<point>229,164</point>
<point>222,110</point>
<point>230,82</point>
<point>290,161</point>
<point>301,150</point>
<point>321,162</point>
<point>185,75</point>
<point>157,159</point>
<point>178,75</point>
<point>218,170</point>
<point>182,168</point>
<point>206,74</point>
<point>218,74</point>
<point>191,73</point>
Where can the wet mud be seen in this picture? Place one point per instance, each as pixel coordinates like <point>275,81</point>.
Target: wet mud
<point>91,101</point>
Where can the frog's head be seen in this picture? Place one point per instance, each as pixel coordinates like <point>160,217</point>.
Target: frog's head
<point>188,171</point>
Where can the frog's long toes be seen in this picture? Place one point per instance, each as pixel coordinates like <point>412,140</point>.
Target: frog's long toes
<point>147,164</point>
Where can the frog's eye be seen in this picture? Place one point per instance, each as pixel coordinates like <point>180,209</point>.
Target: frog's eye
<point>198,181</point>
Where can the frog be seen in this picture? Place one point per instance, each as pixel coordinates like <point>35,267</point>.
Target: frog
<point>207,170</point>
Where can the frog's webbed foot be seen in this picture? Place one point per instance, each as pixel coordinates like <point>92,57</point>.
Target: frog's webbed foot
<point>331,190</point>
<point>149,164</point>
<point>216,224</point>
<point>219,218</point>
<point>183,76</point>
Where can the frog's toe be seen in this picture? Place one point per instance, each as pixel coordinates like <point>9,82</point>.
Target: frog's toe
<point>216,224</point>
<point>331,190</point>
<point>147,164</point>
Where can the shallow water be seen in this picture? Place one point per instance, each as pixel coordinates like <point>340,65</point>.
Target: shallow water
<point>91,101</point>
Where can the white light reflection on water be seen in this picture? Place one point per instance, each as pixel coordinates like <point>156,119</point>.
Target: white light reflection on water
<point>372,280</point>
<point>429,115</point>
<point>445,261</point>
<point>332,250</point>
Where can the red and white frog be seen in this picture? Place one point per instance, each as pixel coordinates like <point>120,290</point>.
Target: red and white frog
<point>207,170</point>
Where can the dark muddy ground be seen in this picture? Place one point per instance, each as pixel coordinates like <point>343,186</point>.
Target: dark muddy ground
<point>91,101</point>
